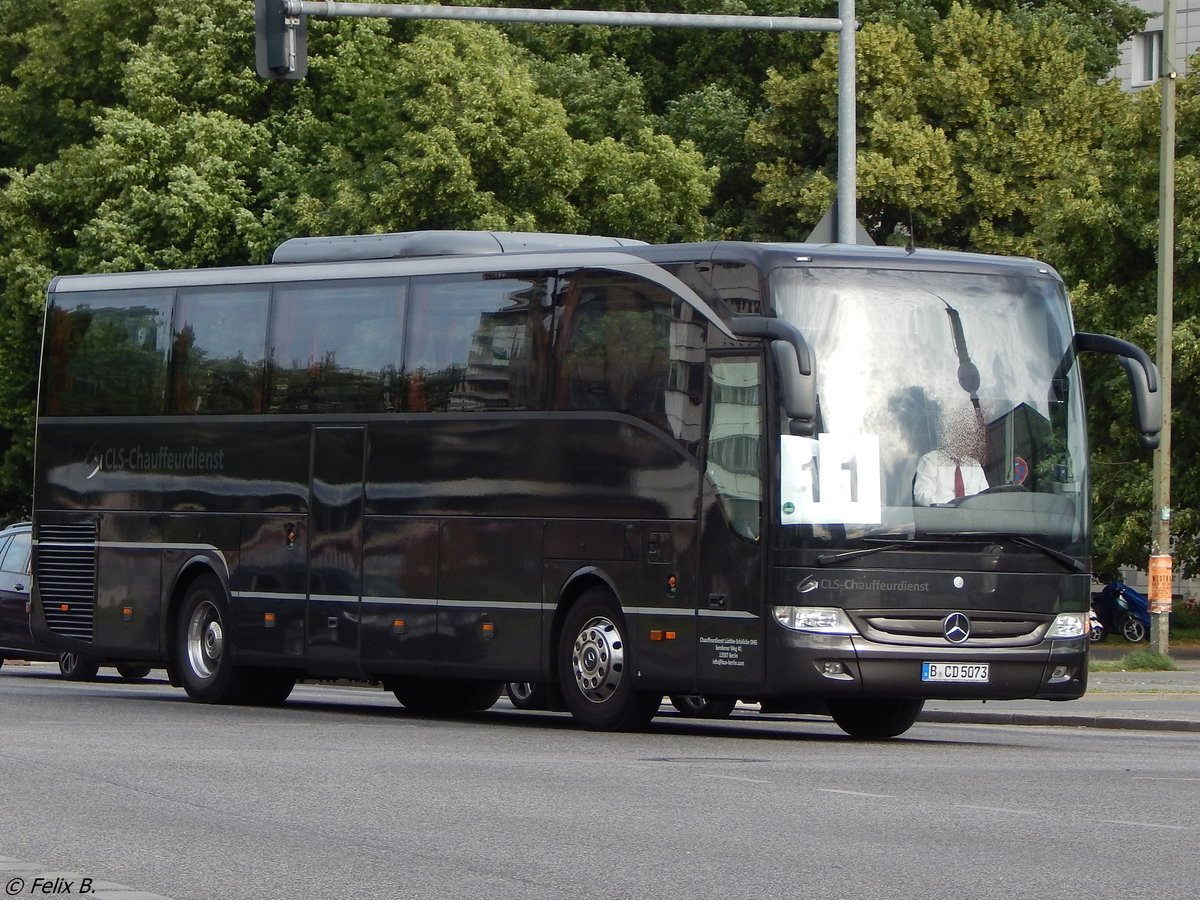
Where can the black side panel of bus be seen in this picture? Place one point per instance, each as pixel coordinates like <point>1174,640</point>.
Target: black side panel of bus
<point>335,550</point>
<point>400,578</point>
<point>489,608</point>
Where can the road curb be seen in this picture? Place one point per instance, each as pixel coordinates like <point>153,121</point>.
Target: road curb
<point>1021,718</point>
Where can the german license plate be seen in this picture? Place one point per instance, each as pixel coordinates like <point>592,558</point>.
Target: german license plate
<point>955,672</point>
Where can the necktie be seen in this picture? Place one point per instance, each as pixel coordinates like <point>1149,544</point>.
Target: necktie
<point>960,489</point>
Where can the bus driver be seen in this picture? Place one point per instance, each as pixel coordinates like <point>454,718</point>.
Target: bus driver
<point>952,470</point>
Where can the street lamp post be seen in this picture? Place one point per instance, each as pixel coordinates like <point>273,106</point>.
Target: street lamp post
<point>1160,542</point>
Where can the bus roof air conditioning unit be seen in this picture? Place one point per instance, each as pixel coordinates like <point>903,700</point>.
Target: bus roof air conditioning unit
<point>416,244</point>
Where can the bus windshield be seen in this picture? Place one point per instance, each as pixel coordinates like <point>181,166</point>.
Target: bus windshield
<point>949,405</point>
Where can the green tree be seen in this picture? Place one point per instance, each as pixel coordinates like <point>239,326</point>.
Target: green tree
<point>450,130</point>
<point>61,64</point>
<point>1106,250</point>
<point>959,144</point>
<point>1095,28</point>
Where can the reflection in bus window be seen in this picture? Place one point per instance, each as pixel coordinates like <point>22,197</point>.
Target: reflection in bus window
<point>630,346</point>
<point>335,346</point>
<point>470,344</point>
<point>219,350</point>
<point>108,354</point>
<point>735,442</point>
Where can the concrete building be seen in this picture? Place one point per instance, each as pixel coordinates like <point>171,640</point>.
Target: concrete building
<point>1140,57</point>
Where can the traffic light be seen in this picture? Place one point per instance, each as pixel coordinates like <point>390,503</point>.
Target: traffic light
<point>280,41</point>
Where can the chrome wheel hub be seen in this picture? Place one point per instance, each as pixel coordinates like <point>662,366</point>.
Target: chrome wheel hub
<point>598,659</point>
<point>206,640</point>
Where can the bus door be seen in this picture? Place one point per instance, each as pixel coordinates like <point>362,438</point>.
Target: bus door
<point>335,534</point>
<point>730,587</point>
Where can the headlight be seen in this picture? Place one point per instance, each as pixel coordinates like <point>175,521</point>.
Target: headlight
<point>1068,625</point>
<point>822,619</point>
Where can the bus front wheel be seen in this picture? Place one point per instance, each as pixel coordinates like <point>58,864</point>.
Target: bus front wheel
<point>595,667</point>
<point>875,718</point>
<point>203,650</point>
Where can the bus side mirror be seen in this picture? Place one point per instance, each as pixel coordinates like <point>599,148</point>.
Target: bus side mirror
<point>1144,382</point>
<point>1147,404</point>
<point>793,362</point>
<point>798,391</point>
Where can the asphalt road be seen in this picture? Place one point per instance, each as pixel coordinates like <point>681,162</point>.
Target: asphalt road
<point>340,793</point>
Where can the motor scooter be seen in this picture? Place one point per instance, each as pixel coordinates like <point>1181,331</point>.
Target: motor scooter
<point>1120,608</point>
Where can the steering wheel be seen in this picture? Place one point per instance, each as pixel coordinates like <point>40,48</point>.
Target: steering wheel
<point>1004,489</point>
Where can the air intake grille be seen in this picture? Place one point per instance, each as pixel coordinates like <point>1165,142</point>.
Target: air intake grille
<point>66,572</point>
<point>924,628</point>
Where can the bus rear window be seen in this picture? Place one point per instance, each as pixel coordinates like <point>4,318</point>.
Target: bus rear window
<point>107,353</point>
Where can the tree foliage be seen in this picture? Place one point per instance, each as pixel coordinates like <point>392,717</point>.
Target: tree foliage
<point>958,143</point>
<point>1107,249</point>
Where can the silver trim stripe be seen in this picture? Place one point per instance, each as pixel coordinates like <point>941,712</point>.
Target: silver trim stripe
<point>683,612</point>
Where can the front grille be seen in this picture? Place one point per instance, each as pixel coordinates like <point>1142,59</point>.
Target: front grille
<point>66,574</point>
<point>924,628</point>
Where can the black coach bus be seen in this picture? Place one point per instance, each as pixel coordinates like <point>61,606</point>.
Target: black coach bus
<point>829,479</point>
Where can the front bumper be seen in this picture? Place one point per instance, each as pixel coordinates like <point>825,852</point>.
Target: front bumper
<point>825,667</point>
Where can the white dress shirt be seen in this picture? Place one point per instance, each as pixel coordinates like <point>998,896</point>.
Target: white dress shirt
<point>935,478</point>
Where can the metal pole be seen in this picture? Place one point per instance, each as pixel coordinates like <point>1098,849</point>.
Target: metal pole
<point>844,25</point>
<point>330,9</point>
<point>1160,543</point>
<point>847,162</point>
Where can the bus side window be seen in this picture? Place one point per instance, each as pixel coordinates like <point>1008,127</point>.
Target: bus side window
<point>335,346</point>
<point>629,346</point>
<point>108,353</point>
<point>470,343</point>
<point>219,350</point>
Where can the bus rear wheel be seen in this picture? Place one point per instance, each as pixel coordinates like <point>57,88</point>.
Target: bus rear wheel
<point>698,706</point>
<point>268,687</point>
<point>875,718</point>
<point>596,670</point>
<point>527,695</point>
<point>202,647</point>
<point>76,667</point>
<point>436,695</point>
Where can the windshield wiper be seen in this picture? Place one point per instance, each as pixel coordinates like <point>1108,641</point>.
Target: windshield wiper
<point>1067,561</point>
<point>1063,559</point>
<point>832,559</point>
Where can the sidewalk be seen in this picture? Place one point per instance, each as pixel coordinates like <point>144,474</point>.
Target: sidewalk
<point>1155,701</point>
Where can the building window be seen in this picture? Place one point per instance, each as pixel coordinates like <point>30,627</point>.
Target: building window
<point>1147,57</point>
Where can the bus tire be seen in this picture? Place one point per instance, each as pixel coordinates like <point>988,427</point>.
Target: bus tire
<point>875,718</point>
<point>596,667</point>
<point>478,696</point>
<point>133,673</point>
<point>76,667</point>
<point>527,695</point>
<point>438,695</point>
<point>698,706</point>
<point>202,647</point>
<point>268,687</point>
